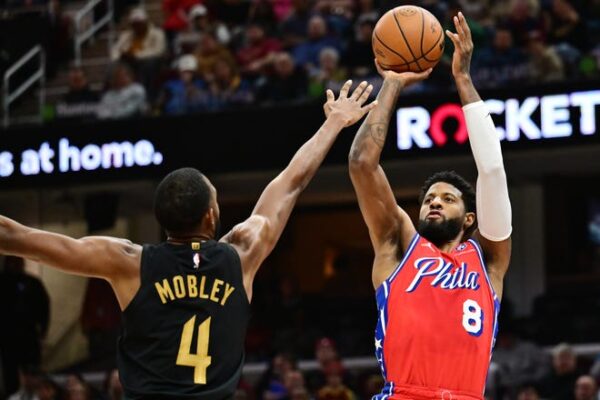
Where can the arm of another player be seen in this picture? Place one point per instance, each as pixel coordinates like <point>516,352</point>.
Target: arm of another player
<point>389,225</point>
<point>256,237</point>
<point>97,256</point>
<point>494,213</point>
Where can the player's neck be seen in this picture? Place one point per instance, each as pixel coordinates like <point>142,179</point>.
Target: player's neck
<point>447,247</point>
<point>184,239</point>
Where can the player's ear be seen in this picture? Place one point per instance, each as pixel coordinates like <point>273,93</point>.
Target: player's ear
<point>469,220</point>
<point>211,216</point>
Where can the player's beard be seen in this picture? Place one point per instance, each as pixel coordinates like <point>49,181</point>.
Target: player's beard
<point>442,232</point>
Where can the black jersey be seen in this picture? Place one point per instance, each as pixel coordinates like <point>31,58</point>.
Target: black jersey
<point>183,332</point>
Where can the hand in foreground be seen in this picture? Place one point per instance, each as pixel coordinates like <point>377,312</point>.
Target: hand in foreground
<point>405,78</point>
<point>349,109</point>
<point>463,47</point>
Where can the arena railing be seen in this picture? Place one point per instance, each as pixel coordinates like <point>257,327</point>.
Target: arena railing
<point>87,32</point>
<point>9,96</point>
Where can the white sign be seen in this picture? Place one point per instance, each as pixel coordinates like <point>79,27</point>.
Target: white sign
<point>420,128</point>
<point>70,158</point>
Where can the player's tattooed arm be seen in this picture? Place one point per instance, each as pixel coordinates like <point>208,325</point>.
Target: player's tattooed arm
<point>370,139</point>
<point>389,226</point>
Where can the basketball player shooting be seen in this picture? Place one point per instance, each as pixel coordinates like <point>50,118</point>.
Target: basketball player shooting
<point>185,302</point>
<point>438,285</point>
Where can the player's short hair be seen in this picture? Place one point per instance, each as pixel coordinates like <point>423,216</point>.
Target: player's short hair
<point>454,179</point>
<point>181,200</point>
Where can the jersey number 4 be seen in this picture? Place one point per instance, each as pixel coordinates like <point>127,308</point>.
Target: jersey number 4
<point>201,360</point>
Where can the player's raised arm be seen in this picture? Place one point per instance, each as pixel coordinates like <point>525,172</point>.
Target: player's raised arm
<point>97,256</point>
<point>493,204</point>
<point>255,238</point>
<point>389,225</point>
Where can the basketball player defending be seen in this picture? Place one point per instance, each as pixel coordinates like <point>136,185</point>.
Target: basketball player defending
<point>185,302</point>
<point>438,286</point>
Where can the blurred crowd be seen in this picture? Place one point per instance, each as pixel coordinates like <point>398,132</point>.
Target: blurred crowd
<point>559,377</point>
<point>287,326</point>
<point>212,55</point>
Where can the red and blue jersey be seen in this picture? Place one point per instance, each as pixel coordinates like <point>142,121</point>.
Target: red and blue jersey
<point>437,324</point>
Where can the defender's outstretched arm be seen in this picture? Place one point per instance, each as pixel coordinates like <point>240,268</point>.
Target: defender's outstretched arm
<point>98,256</point>
<point>256,237</point>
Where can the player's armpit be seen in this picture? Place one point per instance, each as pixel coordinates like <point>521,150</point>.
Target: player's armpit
<point>252,241</point>
<point>102,257</point>
<point>497,259</point>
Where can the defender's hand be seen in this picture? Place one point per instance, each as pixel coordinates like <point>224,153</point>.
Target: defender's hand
<point>463,47</point>
<point>349,109</point>
<point>405,78</point>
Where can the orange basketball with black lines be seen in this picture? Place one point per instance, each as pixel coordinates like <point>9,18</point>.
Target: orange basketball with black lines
<point>408,38</point>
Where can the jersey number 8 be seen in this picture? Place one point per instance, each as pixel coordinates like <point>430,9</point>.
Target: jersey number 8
<point>472,319</point>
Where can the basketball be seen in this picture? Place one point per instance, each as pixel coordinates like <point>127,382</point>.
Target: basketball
<point>408,38</point>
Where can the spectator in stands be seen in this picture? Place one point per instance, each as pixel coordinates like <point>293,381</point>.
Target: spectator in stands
<point>125,98</point>
<point>307,53</point>
<point>185,94</point>
<point>326,354</point>
<point>29,377</point>
<point>564,24</point>
<point>287,84</point>
<point>113,387</point>
<point>77,388</point>
<point>294,27</point>
<point>271,383</point>
<point>49,390</point>
<point>586,388</point>
<point>334,388</point>
<point>329,74</point>
<point>359,57</point>
<point>200,23</point>
<point>500,64</point>
<point>372,385</point>
<point>281,8</point>
<point>559,383</point>
<point>524,17</point>
<point>338,15</point>
<point>546,65</point>
<point>208,52</point>
<point>258,50</point>
<point>516,361</point>
<point>176,16</point>
<point>142,46</point>
<point>25,314</point>
<point>366,9</point>
<point>227,88</point>
<point>262,12</point>
<point>141,41</point>
<point>80,101</point>
<point>299,394</point>
<point>527,391</point>
<point>477,9</point>
<point>293,382</point>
